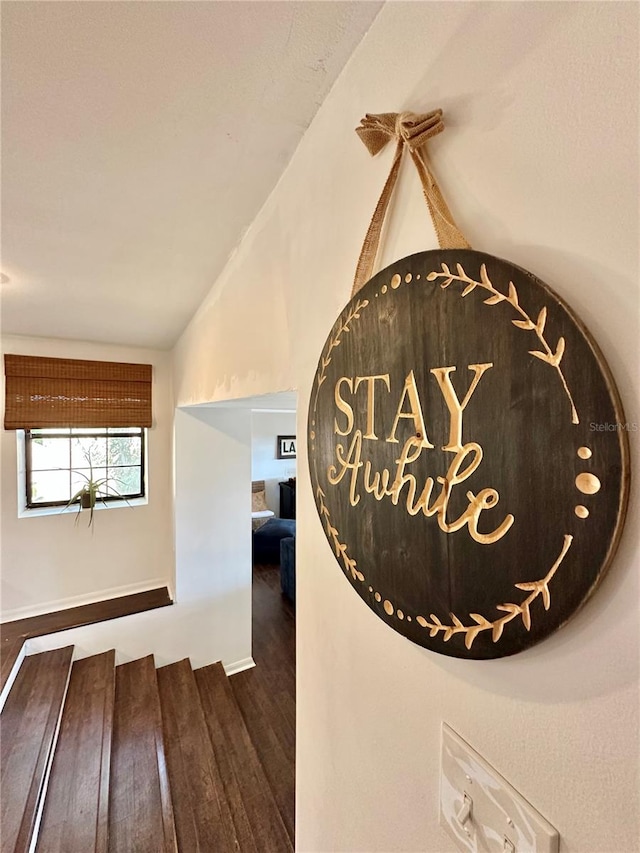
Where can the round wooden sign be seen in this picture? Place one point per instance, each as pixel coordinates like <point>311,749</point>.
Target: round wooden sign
<point>468,453</point>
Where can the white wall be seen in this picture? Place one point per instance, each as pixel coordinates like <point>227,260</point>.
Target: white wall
<point>211,617</point>
<point>540,166</point>
<point>213,524</point>
<point>265,428</point>
<point>47,562</point>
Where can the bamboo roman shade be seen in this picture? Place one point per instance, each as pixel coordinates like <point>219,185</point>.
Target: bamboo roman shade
<point>65,392</point>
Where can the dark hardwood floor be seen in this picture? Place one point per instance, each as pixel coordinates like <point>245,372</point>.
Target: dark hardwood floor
<point>27,741</point>
<point>140,809</point>
<point>255,813</point>
<point>76,809</point>
<point>202,814</point>
<point>227,745</point>
<point>266,693</point>
<point>9,653</point>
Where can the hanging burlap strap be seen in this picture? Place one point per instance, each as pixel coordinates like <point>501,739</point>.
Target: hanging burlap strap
<point>410,130</point>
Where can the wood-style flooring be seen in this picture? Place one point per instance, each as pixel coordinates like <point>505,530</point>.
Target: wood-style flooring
<point>131,759</point>
<point>76,808</point>
<point>140,808</point>
<point>29,721</point>
<point>258,823</point>
<point>266,694</point>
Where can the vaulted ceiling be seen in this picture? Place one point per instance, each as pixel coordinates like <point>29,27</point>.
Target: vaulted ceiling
<point>139,141</point>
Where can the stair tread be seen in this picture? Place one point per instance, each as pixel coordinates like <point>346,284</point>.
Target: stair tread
<point>251,799</point>
<point>75,815</point>
<point>202,815</point>
<point>9,652</point>
<point>273,738</point>
<point>28,724</point>
<point>140,809</point>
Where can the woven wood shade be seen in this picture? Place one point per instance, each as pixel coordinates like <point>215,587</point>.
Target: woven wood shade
<point>65,392</point>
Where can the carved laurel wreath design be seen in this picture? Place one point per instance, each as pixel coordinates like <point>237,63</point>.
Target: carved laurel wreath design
<point>549,356</point>
<point>342,326</point>
<point>536,588</point>
<point>480,623</point>
<point>350,564</point>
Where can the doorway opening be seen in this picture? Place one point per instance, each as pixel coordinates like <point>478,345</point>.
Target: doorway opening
<point>267,693</point>
<point>221,449</point>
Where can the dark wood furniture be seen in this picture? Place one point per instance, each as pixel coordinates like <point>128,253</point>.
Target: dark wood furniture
<point>288,498</point>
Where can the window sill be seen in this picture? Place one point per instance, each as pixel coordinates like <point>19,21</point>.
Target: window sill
<point>23,512</point>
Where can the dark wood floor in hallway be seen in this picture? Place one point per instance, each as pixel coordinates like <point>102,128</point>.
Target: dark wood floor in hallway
<point>266,693</point>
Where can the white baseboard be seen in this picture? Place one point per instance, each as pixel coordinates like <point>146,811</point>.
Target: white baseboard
<point>238,666</point>
<point>78,600</point>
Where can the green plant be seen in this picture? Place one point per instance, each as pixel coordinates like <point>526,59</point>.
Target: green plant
<point>92,491</point>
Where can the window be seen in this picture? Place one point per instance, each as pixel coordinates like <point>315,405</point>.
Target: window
<point>68,413</point>
<point>59,462</point>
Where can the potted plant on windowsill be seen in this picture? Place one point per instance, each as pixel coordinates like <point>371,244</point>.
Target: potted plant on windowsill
<point>91,492</point>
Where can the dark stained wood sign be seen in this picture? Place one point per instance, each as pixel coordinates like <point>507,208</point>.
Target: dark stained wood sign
<point>468,453</point>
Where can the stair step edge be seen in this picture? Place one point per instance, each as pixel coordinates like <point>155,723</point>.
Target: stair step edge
<point>32,832</point>
<point>102,804</point>
<point>146,688</point>
<point>242,745</point>
<point>48,734</point>
<point>169,702</point>
<point>11,660</point>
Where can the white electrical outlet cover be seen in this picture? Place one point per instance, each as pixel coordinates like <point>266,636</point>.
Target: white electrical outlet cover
<point>501,819</point>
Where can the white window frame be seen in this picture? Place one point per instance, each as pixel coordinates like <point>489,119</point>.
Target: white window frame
<point>31,512</point>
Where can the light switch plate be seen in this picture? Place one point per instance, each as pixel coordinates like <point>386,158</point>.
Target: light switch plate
<point>494,817</point>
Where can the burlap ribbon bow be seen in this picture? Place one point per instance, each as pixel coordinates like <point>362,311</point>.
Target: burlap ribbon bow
<point>411,131</point>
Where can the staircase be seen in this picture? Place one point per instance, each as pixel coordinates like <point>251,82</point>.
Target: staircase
<point>133,759</point>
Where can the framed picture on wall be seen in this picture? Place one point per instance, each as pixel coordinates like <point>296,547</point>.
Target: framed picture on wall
<point>286,447</point>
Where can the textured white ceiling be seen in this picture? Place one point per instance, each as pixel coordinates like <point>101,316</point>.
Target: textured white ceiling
<point>139,140</point>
